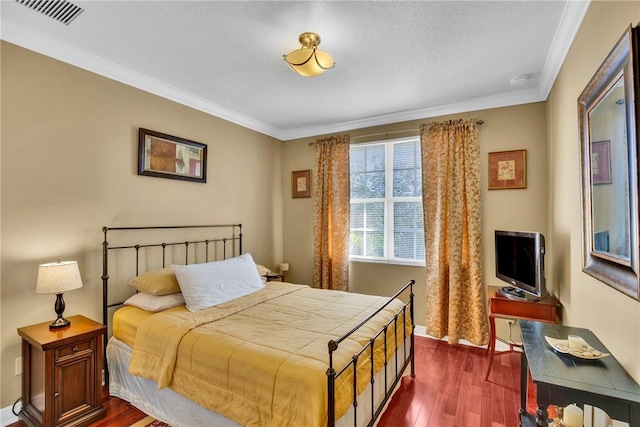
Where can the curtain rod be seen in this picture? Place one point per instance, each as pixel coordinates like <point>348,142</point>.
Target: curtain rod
<point>478,122</point>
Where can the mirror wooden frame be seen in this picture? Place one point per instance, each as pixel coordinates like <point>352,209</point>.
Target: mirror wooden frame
<point>623,59</point>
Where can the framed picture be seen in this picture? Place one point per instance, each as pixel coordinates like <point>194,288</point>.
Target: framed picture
<point>508,169</point>
<point>166,156</point>
<point>300,184</point>
<point>600,162</point>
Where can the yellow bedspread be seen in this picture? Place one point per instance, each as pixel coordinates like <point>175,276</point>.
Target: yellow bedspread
<point>261,360</point>
<point>125,323</point>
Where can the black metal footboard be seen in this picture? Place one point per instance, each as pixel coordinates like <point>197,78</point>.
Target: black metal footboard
<point>407,358</point>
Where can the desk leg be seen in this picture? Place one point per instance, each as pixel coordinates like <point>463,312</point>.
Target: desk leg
<point>492,344</point>
<point>524,383</point>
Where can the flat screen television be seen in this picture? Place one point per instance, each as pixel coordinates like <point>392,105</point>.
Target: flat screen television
<point>520,262</point>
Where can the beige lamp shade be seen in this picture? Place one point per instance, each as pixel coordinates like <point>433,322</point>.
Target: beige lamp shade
<point>309,61</point>
<point>58,277</point>
<point>284,267</point>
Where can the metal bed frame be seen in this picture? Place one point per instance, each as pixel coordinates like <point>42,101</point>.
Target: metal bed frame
<point>233,234</point>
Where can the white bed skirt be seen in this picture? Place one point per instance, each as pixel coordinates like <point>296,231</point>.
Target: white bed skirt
<point>178,411</point>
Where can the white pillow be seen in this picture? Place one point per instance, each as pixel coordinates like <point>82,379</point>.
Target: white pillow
<point>212,283</point>
<point>155,303</point>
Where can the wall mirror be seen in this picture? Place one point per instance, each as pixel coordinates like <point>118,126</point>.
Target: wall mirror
<point>608,143</point>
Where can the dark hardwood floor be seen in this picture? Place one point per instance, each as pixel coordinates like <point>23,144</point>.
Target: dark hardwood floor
<point>119,413</point>
<point>448,390</point>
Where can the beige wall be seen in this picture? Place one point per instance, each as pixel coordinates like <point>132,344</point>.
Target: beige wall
<point>517,127</point>
<point>69,153</point>
<point>588,303</point>
<point>69,141</point>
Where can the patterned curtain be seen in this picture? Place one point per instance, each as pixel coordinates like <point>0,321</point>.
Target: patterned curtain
<point>456,295</point>
<point>331,214</point>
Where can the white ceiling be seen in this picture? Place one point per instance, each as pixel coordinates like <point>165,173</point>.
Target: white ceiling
<point>395,60</point>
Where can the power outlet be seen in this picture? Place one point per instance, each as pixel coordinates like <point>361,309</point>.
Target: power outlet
<point>18,365</point>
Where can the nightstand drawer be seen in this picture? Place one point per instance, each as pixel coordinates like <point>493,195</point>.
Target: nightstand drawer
<point>75,349</point>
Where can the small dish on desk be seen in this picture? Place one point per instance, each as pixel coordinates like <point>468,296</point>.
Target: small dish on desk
<point>584,352</point>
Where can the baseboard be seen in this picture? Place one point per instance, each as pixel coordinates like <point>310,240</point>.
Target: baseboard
<point>421,331</point>
<point>6,415</point>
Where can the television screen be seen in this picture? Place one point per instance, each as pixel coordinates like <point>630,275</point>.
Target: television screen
<point>520,261</point>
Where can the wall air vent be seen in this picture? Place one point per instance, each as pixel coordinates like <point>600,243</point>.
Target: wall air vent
<point>60,10</point>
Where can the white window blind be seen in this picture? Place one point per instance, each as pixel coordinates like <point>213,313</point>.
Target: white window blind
<point>386,202</point>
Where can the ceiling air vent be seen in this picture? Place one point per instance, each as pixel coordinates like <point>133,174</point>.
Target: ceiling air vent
<point>60,10</point>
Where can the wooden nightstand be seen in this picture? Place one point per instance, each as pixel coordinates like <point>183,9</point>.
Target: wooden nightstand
<point>272,277</point>
<point>62,373</point>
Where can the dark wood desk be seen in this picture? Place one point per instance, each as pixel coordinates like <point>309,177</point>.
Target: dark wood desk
<point>544,310</point>
<point>562,379</point>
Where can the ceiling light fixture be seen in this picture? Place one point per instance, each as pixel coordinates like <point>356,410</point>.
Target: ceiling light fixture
<point>309,61</point>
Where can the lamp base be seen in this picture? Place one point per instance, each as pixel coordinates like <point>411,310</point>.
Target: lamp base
<point>59,306</point>
<point>59,323</point>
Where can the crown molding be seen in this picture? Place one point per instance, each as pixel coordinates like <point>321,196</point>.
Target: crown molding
<point>55,49</point>
<point>570,21</point>
<point>568,27</point>
<point>483,103</point>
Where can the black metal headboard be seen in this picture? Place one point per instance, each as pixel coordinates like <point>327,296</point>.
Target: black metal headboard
<point>208,243</point>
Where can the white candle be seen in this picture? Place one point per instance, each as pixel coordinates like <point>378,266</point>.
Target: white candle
<point>575,342</point>
<point>572,416</point>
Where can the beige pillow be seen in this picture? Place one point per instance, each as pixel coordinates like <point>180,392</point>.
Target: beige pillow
<point>157,282</point>
<point>155,303</point>
<point>262,270</point>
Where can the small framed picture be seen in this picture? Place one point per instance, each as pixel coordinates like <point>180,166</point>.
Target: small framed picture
<point>601,162</point>
<point>166,156</point>
<point>508,169</point>
<point>300,184</point>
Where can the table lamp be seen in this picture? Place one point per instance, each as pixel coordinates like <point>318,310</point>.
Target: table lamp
<point>284,267</point>
<point>57,278</point>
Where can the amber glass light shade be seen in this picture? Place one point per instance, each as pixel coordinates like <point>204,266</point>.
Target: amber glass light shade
<point>309,61</point>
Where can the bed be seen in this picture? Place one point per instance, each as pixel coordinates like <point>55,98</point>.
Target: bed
<point>284,354</point>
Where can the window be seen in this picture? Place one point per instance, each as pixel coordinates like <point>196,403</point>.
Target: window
<point>386,221</point>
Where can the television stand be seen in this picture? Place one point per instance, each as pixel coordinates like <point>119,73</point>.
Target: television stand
<point>502,307</point>
<point>515,293</point>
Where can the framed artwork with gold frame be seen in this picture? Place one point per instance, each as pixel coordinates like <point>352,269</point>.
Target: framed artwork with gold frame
<point>508,170</point>
<point>301,184</point>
